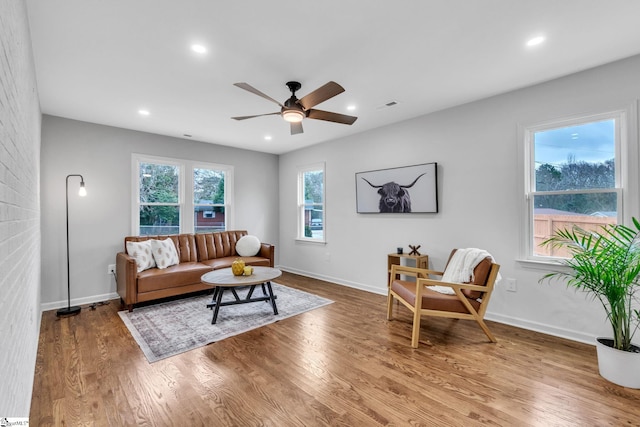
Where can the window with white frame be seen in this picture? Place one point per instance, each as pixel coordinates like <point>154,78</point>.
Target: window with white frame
<point>178,196</point>
<point>311,197</point>
<point>209,211</point>
<point>573,178</point>
<point>159,198</point>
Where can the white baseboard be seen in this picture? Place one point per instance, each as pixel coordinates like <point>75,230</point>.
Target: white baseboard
<point>331,279</point>
<point>78,301</point>
<point>495,317</point>
<point>542,328</point>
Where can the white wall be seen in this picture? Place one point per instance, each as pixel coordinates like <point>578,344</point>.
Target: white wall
<point>476,148</point>
<point>19,212</point>
<point>99,222</point>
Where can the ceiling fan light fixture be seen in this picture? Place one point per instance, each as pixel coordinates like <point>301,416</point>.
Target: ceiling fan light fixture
<point>295,110</point>
<point>293,116</point>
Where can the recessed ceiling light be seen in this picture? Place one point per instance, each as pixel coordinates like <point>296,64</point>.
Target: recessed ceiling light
<point>351,107</point>
<point>144,112</point>
<point>535,41</point>
<point>268,137</point>
<point>198,48</point>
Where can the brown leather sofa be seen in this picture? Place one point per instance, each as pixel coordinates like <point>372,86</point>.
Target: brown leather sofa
<point>198,254</point>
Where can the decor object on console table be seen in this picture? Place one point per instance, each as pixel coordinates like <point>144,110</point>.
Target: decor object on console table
<point>606,264</point>
<point>420,261</point>
<point>70,311</point>
<point>414,250</point>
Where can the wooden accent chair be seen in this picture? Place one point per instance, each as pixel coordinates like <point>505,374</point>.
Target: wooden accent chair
<point>469,301</point>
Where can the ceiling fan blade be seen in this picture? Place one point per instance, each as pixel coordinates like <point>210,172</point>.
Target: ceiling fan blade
<point>321,94</point>
<point>296,128</point>
<point>249,88</point>
<point>331,117</point>
<point>257,115</point>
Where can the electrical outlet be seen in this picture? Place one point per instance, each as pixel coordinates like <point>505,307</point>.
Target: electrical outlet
<point>511,285</point>
<point>111,269</point>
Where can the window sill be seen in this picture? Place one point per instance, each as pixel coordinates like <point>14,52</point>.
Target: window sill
<point>542,264</point>
<point>311,241</point>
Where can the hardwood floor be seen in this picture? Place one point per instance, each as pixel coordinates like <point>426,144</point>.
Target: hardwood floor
<point>340,365</point>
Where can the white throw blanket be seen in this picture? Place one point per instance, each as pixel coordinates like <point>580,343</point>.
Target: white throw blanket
<point>460,268</point>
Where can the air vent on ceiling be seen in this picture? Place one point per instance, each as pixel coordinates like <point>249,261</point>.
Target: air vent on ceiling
<point>388,104</point>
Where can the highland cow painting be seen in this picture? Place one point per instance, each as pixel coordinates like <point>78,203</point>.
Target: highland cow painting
<point>408,189</point>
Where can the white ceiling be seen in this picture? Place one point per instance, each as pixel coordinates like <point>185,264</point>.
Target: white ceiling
<point>101,61</point>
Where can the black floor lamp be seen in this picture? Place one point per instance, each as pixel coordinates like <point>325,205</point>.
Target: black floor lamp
<point>70,311</point>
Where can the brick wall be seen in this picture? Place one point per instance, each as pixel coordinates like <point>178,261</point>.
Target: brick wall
<point>20,120</point>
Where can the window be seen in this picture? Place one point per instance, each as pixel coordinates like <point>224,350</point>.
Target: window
<point>573,177</point>
<point>311,218</point>
<point>159,198</point>
<point>178,196</point>
<point>209,200</point>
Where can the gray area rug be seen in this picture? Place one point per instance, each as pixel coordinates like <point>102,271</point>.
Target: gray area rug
<point>170,328</point>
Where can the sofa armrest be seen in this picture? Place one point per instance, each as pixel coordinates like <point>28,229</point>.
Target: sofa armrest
<point>268,251</point>
<point>126,274</point>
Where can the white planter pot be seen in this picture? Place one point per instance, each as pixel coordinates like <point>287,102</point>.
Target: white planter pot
<point>619,367</point>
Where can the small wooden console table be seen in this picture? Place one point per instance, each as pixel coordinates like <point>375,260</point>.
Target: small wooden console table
<point>420,261</point>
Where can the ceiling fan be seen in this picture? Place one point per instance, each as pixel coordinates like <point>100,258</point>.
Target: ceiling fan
<point>294,110</point>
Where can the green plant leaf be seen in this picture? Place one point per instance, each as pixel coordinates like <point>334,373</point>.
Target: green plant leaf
<point>605,264</point>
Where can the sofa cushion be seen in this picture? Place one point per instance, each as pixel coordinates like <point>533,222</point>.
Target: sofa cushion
<point>164,252</point>
<point>217,245</point>
<point>248,246</point>
<point>142,253</point>
<point>186,273</point>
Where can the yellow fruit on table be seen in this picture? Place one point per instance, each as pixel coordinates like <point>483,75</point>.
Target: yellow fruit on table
<point>237,267</point>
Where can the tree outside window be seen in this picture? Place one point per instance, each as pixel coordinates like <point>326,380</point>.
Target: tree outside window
<point>159,198</point>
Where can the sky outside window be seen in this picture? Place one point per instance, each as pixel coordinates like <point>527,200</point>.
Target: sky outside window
<point>590,142</point>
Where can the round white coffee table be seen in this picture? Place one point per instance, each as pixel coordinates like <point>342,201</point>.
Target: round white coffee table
<point>224,279</point>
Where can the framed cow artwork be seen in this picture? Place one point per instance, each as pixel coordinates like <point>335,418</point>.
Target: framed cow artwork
<point>407,189</point>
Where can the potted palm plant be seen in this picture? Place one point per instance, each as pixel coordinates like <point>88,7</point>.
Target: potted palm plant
<point>606,264</point>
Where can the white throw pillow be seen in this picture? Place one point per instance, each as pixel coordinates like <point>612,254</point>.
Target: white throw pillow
<point>164,252</point>
<point>142,253</point>
<point>248,246</point>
